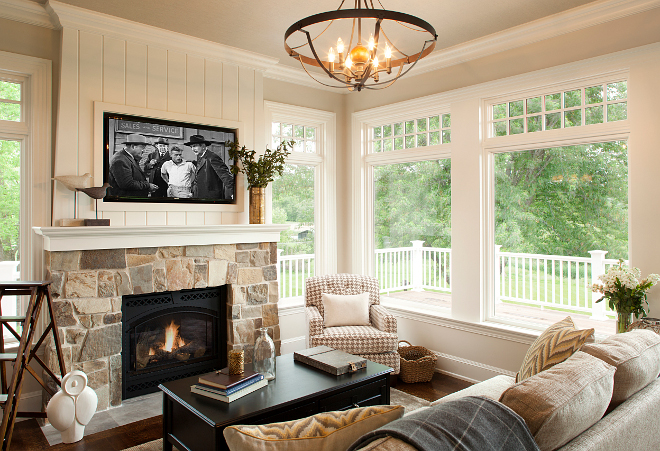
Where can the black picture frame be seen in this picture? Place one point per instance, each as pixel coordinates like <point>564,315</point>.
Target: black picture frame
<point>118,126</point>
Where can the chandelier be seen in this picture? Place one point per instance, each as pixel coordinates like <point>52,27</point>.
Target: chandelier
<point>375,63</point>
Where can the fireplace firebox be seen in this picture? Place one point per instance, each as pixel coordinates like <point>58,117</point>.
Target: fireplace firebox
<point>171,335</point>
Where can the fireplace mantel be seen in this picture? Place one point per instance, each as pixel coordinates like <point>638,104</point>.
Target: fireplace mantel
<point>90,238</point>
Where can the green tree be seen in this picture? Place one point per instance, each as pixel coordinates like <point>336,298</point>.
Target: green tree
<point>10,203</point>
<point>293,203</point>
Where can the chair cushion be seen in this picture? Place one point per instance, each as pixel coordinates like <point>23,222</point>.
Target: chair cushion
<point>340,284</point>
<point>356,339</point>
<point>636,356</point>
<point>561,402</point>
<point>345,310</point>
<point>324,431</point>
<point>557,343</point>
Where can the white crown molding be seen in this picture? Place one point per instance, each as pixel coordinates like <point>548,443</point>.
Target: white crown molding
<point>26,12</point>
<point>574,19</point>
<point>67,16</point>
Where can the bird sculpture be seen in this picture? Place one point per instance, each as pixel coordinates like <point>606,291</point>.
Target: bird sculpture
<point>96,193</point>
<point>74,181</point>
<point>72,408</point>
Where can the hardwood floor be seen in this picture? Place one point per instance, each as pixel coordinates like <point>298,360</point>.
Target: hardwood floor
<point>28,436</point>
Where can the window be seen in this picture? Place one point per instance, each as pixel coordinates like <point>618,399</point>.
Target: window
<point>412,133</point>
<point>596,104</point>
<point>303,196</point>
<point>11,106</point>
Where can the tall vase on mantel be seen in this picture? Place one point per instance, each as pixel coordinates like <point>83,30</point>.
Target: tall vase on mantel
<point>623,320</point>
<point>263,360</point>
<point>257,205</point>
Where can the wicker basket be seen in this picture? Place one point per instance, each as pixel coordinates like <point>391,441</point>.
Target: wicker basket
<point>417,363</point>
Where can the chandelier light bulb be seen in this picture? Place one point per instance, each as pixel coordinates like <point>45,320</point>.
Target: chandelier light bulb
<point>331,55</point>
<point>348,62</point>
<point>371,44</point>
<point>388,52</point>
<point>375,62</point>
<point>340,46</point>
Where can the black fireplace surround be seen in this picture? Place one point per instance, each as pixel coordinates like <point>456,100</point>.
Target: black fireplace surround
<point>171,335</point>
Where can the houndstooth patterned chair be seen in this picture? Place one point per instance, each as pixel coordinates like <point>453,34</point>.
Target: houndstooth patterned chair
<point>377,342</point>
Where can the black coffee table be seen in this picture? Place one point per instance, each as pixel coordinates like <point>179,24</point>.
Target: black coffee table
<point>195,422</point>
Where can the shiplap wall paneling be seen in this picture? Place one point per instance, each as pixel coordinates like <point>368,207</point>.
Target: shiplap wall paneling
<point>213,89</point>
<point>212,218</point>
<point>230,92</point>
<point>156,218</point>
<point>90,87</point>
<point>67,131</point>
<point>195,85</point>
<point>136,74</point>
<point>259,113</point>
<point>157,78</point>
<point>136,218</point>
<point>246,106</point>
<point>176,218</point>
<point>195,218</point>
<point>114,71</point>
<point>117,218</point>
<point>176,82</point>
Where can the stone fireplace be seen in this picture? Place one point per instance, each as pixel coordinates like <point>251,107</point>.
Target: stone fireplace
<point>91,268</point>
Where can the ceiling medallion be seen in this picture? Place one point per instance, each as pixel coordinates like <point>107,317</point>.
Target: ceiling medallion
<point>372,64</point>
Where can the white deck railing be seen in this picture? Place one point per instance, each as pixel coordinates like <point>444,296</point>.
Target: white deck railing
<point>556,281</point>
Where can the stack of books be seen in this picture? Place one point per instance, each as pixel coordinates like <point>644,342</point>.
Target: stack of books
<point>224,387</point>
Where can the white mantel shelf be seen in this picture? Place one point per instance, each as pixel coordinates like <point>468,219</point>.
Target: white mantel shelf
<point>88,238</point>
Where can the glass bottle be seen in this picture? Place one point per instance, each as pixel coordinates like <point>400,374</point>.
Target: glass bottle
<point>263,360</point>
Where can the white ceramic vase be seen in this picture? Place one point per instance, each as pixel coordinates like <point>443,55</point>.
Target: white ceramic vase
<point>71,409</point>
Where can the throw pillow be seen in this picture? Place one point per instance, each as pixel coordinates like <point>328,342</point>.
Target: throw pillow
<point>636,356</point>
<point>324,431</point>
<point>557,343</point>
<point>345,310</point>
<point>560,403</point>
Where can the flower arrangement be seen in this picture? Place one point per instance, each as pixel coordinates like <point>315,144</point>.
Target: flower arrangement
<point>260,171</point>
<point>625,290</point>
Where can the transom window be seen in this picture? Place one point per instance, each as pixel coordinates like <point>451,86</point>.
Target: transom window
<point>11,105</point>
<point>304,137</point>
<point>606,102</point>
<point>410,134</point>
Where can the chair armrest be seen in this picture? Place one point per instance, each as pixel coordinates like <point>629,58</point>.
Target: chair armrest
<point>382,319</point>
<point>315,321</point>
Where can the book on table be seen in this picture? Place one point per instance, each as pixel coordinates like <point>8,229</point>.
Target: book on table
<point>234,388</point>
<point>223,380</point>
<point>330,360</point>
<point>215,394</point>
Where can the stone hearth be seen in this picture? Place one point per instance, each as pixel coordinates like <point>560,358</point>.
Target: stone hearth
<point>88,285</point>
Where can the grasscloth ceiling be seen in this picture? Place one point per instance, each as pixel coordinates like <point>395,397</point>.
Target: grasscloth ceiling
<point>259,25</point>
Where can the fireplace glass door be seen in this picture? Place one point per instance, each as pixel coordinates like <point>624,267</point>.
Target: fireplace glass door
<point>173,339</point>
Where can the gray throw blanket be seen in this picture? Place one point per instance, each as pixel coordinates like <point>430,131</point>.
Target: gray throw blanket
<point>473,423</point>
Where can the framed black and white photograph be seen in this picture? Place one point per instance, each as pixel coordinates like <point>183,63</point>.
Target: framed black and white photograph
<point>156,160</point>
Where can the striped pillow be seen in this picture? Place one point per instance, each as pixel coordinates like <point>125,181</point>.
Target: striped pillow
<point>557,343</point>
<point>327,431</point>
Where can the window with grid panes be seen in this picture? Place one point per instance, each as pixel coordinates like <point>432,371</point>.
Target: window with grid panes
<point>606,102</point>
<point>11,104</point>
<point>304,137</point>
<point>411,134</point>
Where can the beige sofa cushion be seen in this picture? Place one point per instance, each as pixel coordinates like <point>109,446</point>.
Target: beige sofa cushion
<point>636,356</point>
<point>557,343</point>
<point>345,310</point>
<point>561,402</point>
<point>327,431</point>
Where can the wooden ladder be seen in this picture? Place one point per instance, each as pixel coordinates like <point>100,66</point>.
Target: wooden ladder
<point>11,393</point>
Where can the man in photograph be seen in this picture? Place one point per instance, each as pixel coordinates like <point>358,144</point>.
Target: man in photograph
<point>155,163</point>
<point>213,179</point>
<point>126,177</point>
<point>178,174</point>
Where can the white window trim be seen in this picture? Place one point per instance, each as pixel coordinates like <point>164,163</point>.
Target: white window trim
<point>34,132</point>
<point>324,161</point>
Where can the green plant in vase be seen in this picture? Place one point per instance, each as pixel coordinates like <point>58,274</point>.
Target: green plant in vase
<point>259,170</point>
<point>625,292</point>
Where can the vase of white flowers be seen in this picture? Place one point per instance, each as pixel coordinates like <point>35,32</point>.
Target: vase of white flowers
<point>625,292</point>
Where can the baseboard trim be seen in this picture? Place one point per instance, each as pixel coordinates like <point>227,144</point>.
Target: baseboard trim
<point>472,363</point>
<point>293,344</point>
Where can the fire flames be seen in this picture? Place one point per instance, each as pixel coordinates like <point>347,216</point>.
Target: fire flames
<point>173,340</point>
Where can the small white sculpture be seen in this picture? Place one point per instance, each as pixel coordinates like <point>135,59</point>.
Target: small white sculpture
<point>72,408</point>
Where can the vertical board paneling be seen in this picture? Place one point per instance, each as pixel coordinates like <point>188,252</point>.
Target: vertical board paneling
<point>230,218</point>
<point>116,217</point>
<point>136,74</point>
<point>259,113</point>
<point>195,85</point>
<point>176,82</point>
<point>157,78</point>
<point>176,218</point>
<point>114,70</point>
<point>213,218</point>
<point>195,217</point>
<point>213,89</point>
<point>66,150</point>
<point>90,88</point>
<point>230,92</point>
<point>156,218</point>
<point>136,218</point>
<point>246,106</point>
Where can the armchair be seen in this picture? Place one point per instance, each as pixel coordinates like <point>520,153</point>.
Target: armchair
<point>377,342</point>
